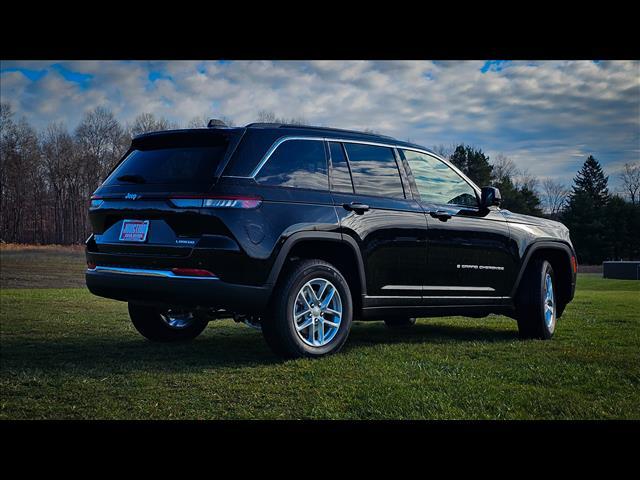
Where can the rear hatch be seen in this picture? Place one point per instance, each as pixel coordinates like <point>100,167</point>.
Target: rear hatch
<point>149,204</point>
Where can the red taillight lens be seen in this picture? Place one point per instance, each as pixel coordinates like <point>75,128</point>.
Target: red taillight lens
<point>216,202</point>
<point>574,264</point>
<point>192,272</point>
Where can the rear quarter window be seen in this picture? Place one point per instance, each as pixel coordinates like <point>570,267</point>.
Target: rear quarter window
<point>296,164</point>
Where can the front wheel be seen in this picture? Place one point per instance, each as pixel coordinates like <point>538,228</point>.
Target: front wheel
<point>311,311</point>
<point>536,307</point>
<point>166,325</point>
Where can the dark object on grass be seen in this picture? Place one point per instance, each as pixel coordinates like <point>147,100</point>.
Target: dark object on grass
<point>621,270</point>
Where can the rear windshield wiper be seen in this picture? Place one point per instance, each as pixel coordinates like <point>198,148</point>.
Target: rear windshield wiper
<point>131,178</point>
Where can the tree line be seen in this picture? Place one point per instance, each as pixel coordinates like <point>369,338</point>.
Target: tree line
<point>603,225</point>
<point>47,177</point>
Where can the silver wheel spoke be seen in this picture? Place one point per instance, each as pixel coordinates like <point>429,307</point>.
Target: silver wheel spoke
<point>305,324</point>
<point>330,295</point>
<point>316,299</point>
<point>324,287</point>
<point>321,333</point>
<point>311,334</point>
<point>302,313</point>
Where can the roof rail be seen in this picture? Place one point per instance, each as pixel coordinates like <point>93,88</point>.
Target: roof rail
<point>312,127</point>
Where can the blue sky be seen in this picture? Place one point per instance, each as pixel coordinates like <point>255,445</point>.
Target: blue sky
<point>547,116</point>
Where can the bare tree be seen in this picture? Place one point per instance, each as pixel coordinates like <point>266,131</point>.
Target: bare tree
<point>630,177</point>
<point>503,167</point>
<point>20,181</point>
<point>267,116</point>
<point>203,120</point>
<point>64,174</point>
<point>554,196</point>
<point>443,151</point>
<point>148,122</point>
<point>101,141</point>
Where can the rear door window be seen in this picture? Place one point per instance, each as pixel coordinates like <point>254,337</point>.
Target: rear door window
<point>297,164</point>
<point>374,170</point>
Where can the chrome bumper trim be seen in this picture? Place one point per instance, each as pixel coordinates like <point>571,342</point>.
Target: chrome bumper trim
<point>145,273</point>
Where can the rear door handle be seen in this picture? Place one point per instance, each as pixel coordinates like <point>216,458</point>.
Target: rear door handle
<point>440,215</point>
<point>356,207</point>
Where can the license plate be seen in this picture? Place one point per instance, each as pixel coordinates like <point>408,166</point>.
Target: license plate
<point>134,230</point>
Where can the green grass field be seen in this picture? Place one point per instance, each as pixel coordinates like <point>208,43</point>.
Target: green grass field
<point>67,354</point>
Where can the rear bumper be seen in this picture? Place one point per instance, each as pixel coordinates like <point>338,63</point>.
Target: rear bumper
<point>161,287</point>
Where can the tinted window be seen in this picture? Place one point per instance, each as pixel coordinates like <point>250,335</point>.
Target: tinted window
<point>296,163</point>
<point>169,166</point>
<point>340,176</point>
<point>374,170</point>
<point>438,183</point>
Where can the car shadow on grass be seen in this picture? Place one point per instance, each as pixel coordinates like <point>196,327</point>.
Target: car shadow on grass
<point>99,355</point>
<point>427,333</point>
<point>118,355</point>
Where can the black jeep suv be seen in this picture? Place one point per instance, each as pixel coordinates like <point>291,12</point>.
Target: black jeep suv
<point>301,230</point>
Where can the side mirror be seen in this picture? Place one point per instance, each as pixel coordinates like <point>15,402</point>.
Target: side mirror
<point>490,196</point>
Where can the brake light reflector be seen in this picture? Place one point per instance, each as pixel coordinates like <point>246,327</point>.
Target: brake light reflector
<point>96,201</point>
<point>574,264</point>
<point>216,202</point>
<point>192,272</point>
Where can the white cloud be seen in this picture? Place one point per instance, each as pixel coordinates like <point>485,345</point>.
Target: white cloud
<point>546,115</point>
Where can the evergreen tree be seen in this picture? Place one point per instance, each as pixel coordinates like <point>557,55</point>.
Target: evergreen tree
<point>473,163</point>
<point>585,213</point>
<point>592,182</point>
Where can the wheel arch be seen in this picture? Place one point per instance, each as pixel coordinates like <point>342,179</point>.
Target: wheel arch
<point>343,252</point>
<point>559,255</point>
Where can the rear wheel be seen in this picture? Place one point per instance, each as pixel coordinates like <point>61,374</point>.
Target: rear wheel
<point>536,304</point>
<point>400,322</point>
<point>311,311</point>
<point>166,325</point>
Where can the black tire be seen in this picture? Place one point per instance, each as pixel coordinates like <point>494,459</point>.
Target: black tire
<point>531,300</point>
<point>149,322</point>
<point>278,326</point>
<point>400,322</point>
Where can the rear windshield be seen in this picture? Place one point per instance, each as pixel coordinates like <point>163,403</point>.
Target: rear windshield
<point>177,165</point>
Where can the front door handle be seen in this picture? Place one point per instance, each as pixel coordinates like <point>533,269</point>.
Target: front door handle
<point>356,207</point>
<point>440,215</point>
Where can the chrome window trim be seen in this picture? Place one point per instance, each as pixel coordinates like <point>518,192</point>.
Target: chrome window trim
<point>286,138</point>
<point>273,148</point>
<point>448,164</point>
<point>145,273</point>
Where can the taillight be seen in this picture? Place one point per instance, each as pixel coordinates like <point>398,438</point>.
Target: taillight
<point>216,202</point>
<point>192,272</point>
<point>574,264</point>
<point>96,201</point>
